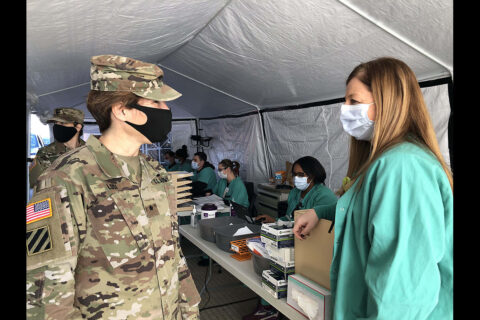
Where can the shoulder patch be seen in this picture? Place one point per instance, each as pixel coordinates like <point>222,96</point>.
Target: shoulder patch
<point>39,240</point>
<point>39,210</point>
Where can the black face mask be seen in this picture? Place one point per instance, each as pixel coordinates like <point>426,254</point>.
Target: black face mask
<point>62,133</point>
<point>158,125</point>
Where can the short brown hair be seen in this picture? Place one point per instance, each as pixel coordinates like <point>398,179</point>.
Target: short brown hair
<point>99,104</point>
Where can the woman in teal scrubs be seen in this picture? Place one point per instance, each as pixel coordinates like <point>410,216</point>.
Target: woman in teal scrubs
<point>230,186</point>
<point>204,177</point>
<point>310,190</point>
<point>182,161</point>
<point>392,255</point>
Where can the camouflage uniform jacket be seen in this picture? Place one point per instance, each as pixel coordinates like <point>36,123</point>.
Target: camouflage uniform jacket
<point>114,250</point>
<point>45,157</point>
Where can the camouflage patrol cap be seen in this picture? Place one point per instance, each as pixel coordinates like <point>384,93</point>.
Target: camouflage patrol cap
<point>116,73</point>
<point>67,115</point>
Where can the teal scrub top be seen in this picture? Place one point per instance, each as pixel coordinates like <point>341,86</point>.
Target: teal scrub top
<point>392,256</point>
<point>237,192</point>
<point>172,168</point>
<point>186,166</point>
<point>206,175</point>
<point>318,195</point>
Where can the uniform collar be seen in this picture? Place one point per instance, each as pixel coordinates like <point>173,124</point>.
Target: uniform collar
<point>61,147</point>
<point>111,166</point>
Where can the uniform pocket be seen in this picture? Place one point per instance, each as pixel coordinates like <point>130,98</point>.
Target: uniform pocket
<point>113,231</point>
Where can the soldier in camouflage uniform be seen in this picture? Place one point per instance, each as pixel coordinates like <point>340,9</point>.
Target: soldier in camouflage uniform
<point>64,119</point>
<point>102,230</point>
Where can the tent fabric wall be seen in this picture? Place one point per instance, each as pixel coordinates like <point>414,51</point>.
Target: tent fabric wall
<point>181,132</point>
<point>238,139</point>
<point>317,131</point>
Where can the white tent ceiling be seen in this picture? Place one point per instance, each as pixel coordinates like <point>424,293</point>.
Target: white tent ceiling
<point>232,56</point>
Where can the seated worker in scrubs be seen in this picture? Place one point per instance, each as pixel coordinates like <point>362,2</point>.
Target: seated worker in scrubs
<point>204,177</point>
<point>310,190</point>
<point>170,158</point>
<point>182,161</point>
<point>230,186</point>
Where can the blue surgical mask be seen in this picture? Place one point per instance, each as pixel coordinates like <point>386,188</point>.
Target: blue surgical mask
<point>177,161</point>
<point>355,121</point>
<point>301,183</point>
<point>194,165</point>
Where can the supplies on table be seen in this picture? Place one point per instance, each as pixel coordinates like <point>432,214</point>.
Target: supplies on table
<point>241,250</point>
<point>225,234</point>
<point>208,211</point>
<point>279,243</point>
<point>274,284</point>
<point>207,226</point>
<point>308,298</point>
<point>261,259</point>
<point>278,234</point>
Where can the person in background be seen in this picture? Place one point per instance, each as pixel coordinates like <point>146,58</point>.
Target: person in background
<point>230,186</point>
<point>170,158</point>
<point>102,231</point>
<point>67,132</point>
<point>310,190</point>
<point>182,161</point>
<point>204,178</point>
<point>393,249</point>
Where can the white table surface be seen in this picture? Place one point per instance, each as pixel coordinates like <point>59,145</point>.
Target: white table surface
<point>242,270</point>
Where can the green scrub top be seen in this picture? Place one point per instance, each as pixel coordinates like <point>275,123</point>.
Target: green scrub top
<point>236,191</point>
<point>318,195</point>
<point>206,175</point>
<point>172,168</point>
<point>186,166</point>
<point>392,256</point>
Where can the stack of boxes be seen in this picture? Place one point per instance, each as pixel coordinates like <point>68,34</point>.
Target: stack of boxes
<point>279,243</point>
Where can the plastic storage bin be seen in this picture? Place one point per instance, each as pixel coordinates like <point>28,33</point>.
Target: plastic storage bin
<point>259,263</point>
<point>207,226</point>
<point>224,234</point>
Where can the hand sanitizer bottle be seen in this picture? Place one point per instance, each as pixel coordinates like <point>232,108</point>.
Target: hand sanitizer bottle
<point>193,217</point>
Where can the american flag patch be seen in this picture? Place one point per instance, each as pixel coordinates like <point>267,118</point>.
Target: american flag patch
<point>39,210</point>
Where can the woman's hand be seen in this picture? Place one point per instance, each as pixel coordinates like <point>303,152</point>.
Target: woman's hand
<point>305,223</point>
<point>208,194</point>
<point>266,218</point>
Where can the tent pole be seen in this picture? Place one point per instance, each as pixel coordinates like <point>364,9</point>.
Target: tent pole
<point>398,36</point>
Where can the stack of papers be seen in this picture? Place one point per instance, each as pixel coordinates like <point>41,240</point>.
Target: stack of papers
<point>216,200</point>
<point>242,231</point>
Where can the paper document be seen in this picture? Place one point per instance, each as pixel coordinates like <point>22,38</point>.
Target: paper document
<point>216,200</point>
<point>242,231</point>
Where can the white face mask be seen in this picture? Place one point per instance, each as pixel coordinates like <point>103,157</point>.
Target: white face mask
<point>301,183</point>
<point>194,165</point>
<point>355,121</point>
<point>222,175</point>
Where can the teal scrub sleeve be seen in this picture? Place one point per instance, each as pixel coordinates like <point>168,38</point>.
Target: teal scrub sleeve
<point>407,231</point>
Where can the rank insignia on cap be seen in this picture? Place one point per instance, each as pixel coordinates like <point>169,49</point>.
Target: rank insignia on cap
<point>38,240</point>
<point>39,210</point>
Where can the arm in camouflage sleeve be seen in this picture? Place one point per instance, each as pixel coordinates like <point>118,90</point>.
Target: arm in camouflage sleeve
<point>50,273</point>
<point>189,299</point>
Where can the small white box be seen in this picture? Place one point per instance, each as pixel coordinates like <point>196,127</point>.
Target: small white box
<point>277,235</point>
<point>274,285</point>
<point>308,298</point>
<point>285,255</point>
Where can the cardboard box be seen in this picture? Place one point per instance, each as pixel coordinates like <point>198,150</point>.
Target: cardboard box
<point>308,298</point>
<point>313,255</point>
<point>274,284</point>
<point>276,235</point>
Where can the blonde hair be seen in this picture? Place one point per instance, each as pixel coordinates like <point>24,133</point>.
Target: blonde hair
<point>400,115</point>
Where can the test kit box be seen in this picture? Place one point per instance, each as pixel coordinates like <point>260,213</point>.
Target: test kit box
<point>274,284</point>
<point>282,268</point>
<point>277,235</point>
<point>308,298</point>
<point>283,255</point>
